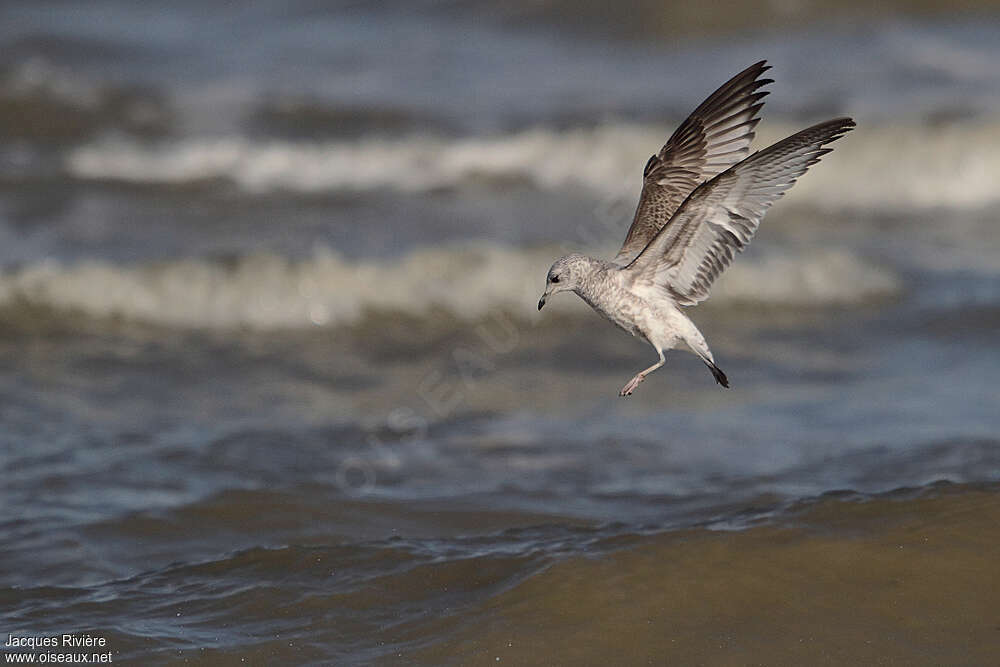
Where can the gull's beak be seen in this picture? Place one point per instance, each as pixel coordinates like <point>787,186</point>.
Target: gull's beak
<point>541,302</point>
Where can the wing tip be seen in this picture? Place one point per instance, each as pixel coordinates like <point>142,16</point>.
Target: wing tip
<point>837,128</point>
<point>740,85</point>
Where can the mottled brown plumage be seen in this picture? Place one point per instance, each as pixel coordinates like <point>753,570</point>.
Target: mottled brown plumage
<point>714,137</point>
<point>721,216</point>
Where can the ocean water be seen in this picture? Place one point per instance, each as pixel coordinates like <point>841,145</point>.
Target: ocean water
<point>275,390</point>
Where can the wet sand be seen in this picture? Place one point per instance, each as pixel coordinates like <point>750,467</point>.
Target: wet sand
<point>886,581</point>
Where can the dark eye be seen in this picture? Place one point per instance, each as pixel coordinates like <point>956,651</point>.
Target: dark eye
<point>554,279</point>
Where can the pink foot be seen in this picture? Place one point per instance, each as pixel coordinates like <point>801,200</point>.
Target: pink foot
<point>631,386</point>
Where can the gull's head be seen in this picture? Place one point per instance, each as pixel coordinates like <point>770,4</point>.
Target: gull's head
<point>565,275</point>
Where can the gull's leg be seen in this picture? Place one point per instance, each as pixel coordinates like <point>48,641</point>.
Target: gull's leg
<point>641,375</point>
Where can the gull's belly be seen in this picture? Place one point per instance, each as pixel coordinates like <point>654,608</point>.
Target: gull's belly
<point>660,326</point>
<point>628,311</point>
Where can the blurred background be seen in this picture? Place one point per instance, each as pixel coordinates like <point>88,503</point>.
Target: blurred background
<point>274,388</point>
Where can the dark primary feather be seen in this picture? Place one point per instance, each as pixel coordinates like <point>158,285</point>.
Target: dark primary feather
<point>721,216</point>
<point>714,137</point>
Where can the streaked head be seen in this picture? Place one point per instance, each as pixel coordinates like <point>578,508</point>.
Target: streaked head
<point>565,275</point>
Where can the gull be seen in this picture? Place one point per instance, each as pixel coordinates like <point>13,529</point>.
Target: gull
<point>703,197</point>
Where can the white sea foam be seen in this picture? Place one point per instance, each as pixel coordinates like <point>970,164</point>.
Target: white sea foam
<point>901,167</point>
<point>469,282</point>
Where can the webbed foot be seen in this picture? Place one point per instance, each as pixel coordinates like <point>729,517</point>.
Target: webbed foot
<point>632,384</point>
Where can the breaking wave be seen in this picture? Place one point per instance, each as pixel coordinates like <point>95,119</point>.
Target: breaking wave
<point>906,166</point>
<point>267,291</point>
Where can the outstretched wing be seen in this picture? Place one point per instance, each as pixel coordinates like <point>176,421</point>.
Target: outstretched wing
<point>720,217</point>
<point>713,138</point>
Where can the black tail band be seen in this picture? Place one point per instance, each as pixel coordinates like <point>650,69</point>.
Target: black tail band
<point>717,373</point>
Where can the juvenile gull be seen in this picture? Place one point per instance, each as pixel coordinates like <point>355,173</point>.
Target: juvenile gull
<point>702,200</point>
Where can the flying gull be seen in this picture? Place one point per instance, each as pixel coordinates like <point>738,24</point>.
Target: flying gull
<point>703,197</point>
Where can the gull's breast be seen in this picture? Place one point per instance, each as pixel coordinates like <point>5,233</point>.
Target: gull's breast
<point>618,305</point>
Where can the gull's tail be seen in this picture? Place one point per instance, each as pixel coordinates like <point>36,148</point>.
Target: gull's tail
<point>717,373</point>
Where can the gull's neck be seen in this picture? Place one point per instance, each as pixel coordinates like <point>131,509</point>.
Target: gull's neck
<point>593,285</point>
